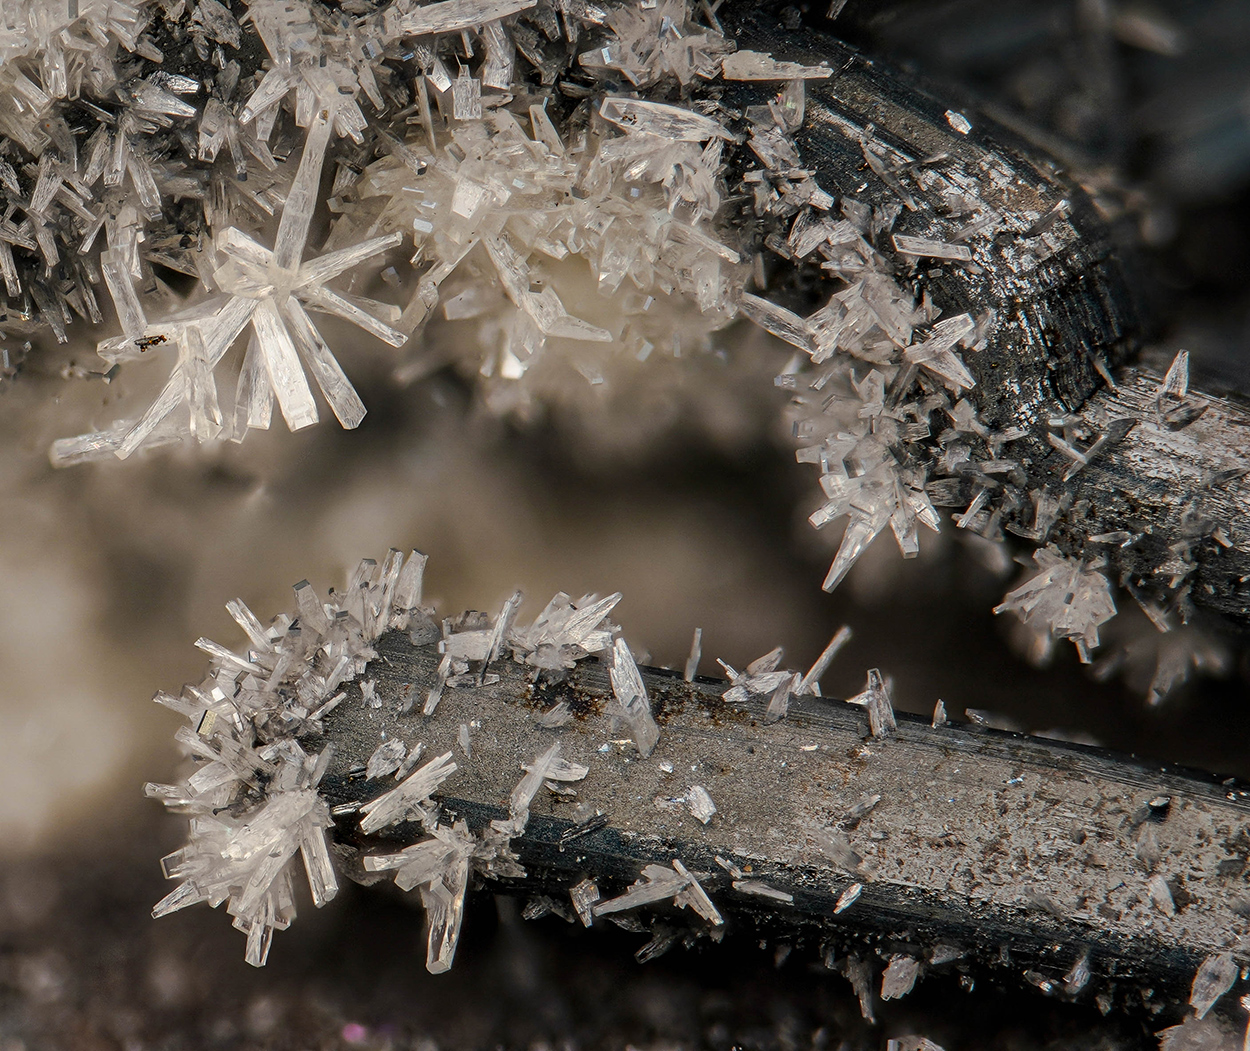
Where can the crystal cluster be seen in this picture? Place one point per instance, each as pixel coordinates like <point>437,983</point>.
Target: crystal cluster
<point>1068,597</point>
<point>664,883</point>
<point>881,367</point>
<point>511,219</point>
<point>879,386</point>
<point>513,224</point>
<point>558,184</point>
<point>762,678</point>
<point>253,798</point>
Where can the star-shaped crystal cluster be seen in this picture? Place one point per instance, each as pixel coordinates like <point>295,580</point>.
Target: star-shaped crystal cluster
<point>268,289</point>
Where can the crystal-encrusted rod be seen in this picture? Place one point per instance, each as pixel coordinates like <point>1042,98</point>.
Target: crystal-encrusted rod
<point>935,847</point>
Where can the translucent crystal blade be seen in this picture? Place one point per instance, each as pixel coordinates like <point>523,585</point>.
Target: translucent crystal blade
<point>700,803</point>
<point>386,758</point>
<point>273,86</point>
<point>179,898</point>
<point>782,323</point>
<point>527,788</point>
<point>1215,976</point>
<point>246,619</point>
<point>656,118</point>
<point>444,905</point>
<point>221,330</point>
<point>779,702</point>
<point>411,577</point>
<point>125,299</point>
<point>170,398</point>
<point>321,878</point>
<point>332,303</point>
<point>265,873</point>
<point>301,199</point>
<point>337,388</point>
<point>923,246</point>
<point>405,800</point>
<point>693,896</point>
<point>860,532</point>
<point>283,367</point>
<point>584,895</point>
<point>450,16</point>
<point>500,57</point>
<point>631,694</point>
<point>696,653</point>
<point>466,97</point>
<point>755,65</point>
<point>84,448</point>
<point>658,883</point>
<point>235,243</point>
<point>311,610</point>
<point>323,268</point>
<point>1176,383</point>
<point>201,388</point>
<point>812,678</point>
<point>253,402</point>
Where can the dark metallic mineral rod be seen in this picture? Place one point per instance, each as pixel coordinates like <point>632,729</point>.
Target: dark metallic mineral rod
<point>958,848</point>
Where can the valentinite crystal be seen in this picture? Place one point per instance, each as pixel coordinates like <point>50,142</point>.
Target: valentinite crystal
<point>1070,598</point>
<point>631,695</point>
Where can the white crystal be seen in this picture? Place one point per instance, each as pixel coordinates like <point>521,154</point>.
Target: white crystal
<point>693,896</point>
<point>1161,895</point>
<point>1069,597</point>
<point>925,246</point>
<point>756,65</point>
<point>1176,383</point>
<point>937,354</point>
<point>451,16</point>
<point>658,883</point>
<point>631,695</point>
<point>958,121</point>
<point>1078,976</point>
<point>466,94</point>
<point>386,758</point>
<point>762,890</point>
<point>333,382</point>
<point>837,848</point>
<point>1215,976</point>
<point>899,978</point>
<point>700,803</point>
<point>549,766</point>
<point>301,199</point>
<point>660,119</point>
<point>585,895</point>
<point>696,652</point>
<point>443,899</point>
<point>810,683</point>
<point>782,323</point>
<point>848,898</point>
<point>875,698</point>
<point>405,801</point>
<point>779,702</point>
<point>559,715</point>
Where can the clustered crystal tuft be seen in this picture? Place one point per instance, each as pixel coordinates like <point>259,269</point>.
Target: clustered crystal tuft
<point>548,179</point>
<point>252,798</point>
